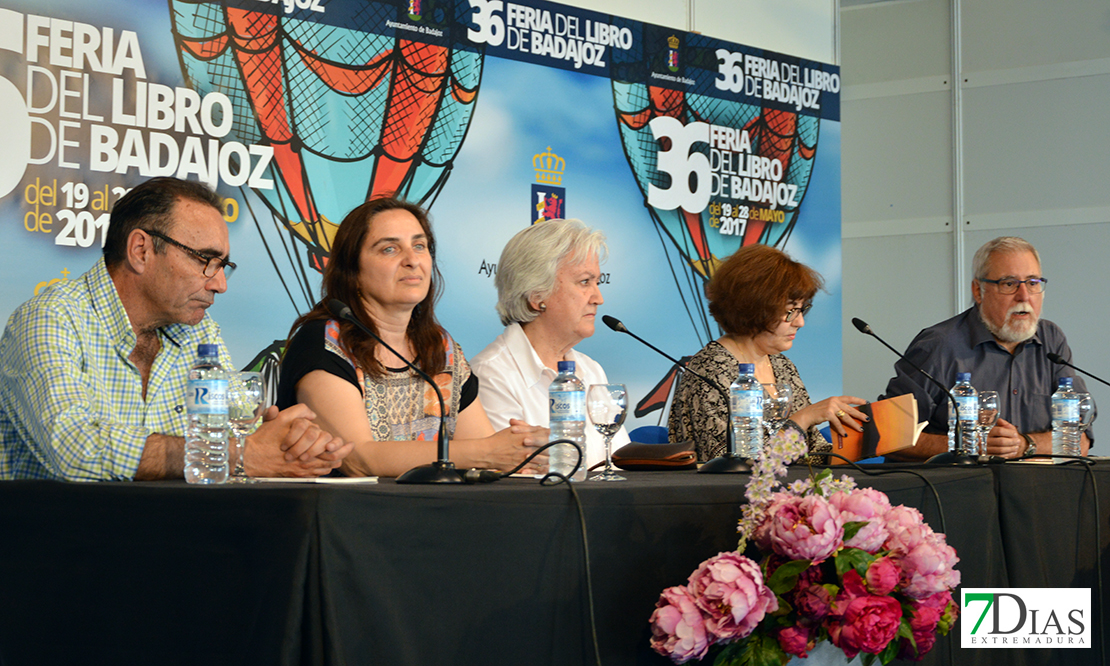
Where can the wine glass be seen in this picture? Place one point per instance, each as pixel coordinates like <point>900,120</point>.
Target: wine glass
<point>245,391</point>
<point>988,416</point>
<point>777,401</point>
<point>607,405</point>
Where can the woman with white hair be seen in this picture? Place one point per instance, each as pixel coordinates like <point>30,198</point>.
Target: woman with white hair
<point>547,297</point>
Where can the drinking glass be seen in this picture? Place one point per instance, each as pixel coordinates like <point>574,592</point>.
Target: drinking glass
<point>777,401</point>
<point>607,405</point>
<point>988,416</point>
<point>1086,411</point>
<point>245,392</point>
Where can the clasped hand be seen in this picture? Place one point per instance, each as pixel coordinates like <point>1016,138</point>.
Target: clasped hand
<point>515,443</point>
<point>288,443</point>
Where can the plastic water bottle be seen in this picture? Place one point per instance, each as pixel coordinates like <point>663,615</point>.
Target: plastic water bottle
<point>967,401</point>
<point>567,397</point>
<point>206,455</point>
<point>746,412</point>
<point>1065,420</point>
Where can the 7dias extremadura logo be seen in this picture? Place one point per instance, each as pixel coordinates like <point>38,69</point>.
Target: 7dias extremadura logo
<point>1024,617</point>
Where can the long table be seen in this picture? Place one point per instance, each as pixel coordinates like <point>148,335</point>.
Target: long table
<point>321,574</point>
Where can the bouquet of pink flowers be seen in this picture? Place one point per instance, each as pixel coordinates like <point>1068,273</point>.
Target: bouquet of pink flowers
<point>837,563</point>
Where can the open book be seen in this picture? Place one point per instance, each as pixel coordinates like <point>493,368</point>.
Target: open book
<point>893,426</point>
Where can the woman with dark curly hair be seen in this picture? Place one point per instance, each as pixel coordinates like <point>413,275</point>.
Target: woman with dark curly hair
<point>382,265</point>
<point>759,297</point>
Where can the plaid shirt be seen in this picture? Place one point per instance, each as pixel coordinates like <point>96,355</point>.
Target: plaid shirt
<point>71,403</point>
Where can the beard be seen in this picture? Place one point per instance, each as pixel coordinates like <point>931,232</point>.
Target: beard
<point>1013,330</point>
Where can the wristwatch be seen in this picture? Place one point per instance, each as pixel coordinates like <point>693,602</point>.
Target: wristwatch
<point>1031,447</point>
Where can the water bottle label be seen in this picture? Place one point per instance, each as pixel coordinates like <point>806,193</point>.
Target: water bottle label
<point>969,407</point>
<point>206,396</point>
<point>1066,409</point>
<point>568,406</point>
<point>747,404</point>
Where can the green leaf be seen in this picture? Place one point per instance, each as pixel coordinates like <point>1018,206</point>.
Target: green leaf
<point>852,527</point>
<point>784,607</point>
<point>890,651</point>
<point>786,577</point>
<point>825,474</point>
<point>762,650</point>
<point>866,658</point>
<point>731,654</point>
<point>905,629</point>
<point>853,558</point>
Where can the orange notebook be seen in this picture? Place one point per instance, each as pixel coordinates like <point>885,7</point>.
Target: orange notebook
<point>893,426</point>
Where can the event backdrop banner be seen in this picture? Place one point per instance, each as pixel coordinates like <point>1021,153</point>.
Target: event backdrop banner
<point>493,114</point>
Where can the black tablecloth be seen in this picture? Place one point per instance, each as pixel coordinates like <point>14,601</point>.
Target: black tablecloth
<point>1048,520</point>
<point>315,574</point>
<point>154,573</point>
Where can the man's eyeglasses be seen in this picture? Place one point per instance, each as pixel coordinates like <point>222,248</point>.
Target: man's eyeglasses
<point>794,312</point>
<point>1008,286</point>
<point>211,264</point>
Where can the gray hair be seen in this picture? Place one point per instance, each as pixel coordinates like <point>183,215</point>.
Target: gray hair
<point>980,264</point>
<point>531,258</point>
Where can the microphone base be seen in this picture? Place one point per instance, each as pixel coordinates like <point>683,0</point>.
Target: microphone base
<point>952,458</point>
<point>726,464</point>
<point>441,471</point>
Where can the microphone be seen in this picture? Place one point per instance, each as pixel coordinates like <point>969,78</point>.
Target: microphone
<point>947,457</point>
<point>730,462</point>
<point>442,470</point>
<point>1056,358</point>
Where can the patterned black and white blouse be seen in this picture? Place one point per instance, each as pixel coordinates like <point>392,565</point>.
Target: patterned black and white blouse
<point>700,413</point>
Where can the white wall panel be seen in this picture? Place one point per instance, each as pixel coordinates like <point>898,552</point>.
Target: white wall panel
<point>896,158</point>
<point>1003,34</point>
<point>1037,146</point>
<point>894,41</point>
<point>899,286</point>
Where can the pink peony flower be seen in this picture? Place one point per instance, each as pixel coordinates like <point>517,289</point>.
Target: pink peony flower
<point>677,627</point>
<point>864,623</point>
<point>795,640</point>
<point>805,528</point>
<point>944,604</point>
<point>923,622</point>
<point>729,589</point>
<point>928,568</point>
<point>905,530</point>
<point>852,586</point>
<point>883,576</point>
<point>813,601</point>
<point>761,534</point>
<point>864,504</point>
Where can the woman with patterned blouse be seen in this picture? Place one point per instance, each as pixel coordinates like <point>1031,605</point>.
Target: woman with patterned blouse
<point>759,297</point>
<point>382,265</point>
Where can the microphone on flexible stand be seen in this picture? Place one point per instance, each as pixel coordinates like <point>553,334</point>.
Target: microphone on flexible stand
<point>442,470</point>
<point>1056,358</point>
<point>948,457</point>
<point>729,462</point>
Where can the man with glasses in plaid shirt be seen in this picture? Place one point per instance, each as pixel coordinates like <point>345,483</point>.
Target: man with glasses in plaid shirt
<point>1003,343</point>
<point>93,370</point>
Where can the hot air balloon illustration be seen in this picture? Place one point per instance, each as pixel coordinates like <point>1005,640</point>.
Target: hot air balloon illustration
<point>365,99</point>
<point>353,104</point>
<point>692,239</point>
